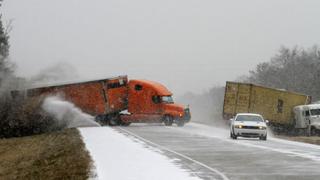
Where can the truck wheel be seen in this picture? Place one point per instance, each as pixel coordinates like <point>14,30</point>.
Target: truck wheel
<point>313,131</point>
<point>114,120</point>
<point>100,119</point>
<point>125,123</point>
<point>168,120</point>
<point>180,123</point>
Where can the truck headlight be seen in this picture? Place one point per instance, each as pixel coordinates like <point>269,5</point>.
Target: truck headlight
<point>262,127</point>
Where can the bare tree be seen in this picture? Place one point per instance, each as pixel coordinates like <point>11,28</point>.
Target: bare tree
<point>293,69</point>
<point>5,66</point>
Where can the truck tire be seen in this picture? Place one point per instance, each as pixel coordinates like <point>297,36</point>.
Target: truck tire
<point>114,120</point>
<point>125,123</point>
<point>102,120</point>
<point>180,123</point>
<point>313,131</point>
<point>168,120</point>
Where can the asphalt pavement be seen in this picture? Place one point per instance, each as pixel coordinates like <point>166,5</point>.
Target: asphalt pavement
<point>209,153</point>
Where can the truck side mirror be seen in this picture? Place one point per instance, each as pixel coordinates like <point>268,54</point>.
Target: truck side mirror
<point>267,121</point>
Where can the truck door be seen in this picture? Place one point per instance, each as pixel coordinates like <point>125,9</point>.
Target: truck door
<point>136,98</point>
<point>155,104</point>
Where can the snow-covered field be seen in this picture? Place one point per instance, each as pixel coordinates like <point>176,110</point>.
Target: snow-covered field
<point>117,156</point>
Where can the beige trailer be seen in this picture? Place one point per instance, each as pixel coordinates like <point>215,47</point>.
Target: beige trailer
<point>273,104</point>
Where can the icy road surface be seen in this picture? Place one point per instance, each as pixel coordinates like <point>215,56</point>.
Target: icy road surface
<point>209,153</point>
<point>117,156</point>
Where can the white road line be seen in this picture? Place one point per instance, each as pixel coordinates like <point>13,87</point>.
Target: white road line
<point>224,177</point>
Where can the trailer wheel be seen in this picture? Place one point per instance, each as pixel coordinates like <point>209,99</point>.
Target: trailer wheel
<point>168,120</point>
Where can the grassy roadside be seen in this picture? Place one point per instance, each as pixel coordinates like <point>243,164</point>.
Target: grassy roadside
<point>58,155</point>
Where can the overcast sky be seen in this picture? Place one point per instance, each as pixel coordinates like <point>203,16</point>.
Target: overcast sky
<point>188,45</point>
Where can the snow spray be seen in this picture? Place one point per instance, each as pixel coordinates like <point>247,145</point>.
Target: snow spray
<point>67,113</point>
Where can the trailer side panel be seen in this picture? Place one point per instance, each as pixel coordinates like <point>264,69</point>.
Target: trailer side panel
<point>273,104</point>
<point>93,97</point>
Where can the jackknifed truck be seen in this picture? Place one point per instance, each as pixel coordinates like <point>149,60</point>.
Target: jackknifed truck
<point>286,111</point>
<point>117,101</point>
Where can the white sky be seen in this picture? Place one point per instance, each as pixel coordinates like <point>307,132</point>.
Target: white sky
<point>188,45</point>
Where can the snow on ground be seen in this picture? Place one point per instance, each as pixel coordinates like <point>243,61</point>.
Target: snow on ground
<point>117,156</point>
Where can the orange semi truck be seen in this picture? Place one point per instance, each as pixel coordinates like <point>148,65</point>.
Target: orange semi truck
<point>117,101</point>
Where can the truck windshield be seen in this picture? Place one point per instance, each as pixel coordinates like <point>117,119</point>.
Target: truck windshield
<point>249,118</point>
<point>167,99</point>
<point>315,112</point>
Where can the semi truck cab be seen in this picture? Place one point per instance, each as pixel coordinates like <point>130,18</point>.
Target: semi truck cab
<point>306,115</point>
<point>151,101</point>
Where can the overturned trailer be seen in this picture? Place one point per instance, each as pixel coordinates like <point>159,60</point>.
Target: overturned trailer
<point>286,111</point>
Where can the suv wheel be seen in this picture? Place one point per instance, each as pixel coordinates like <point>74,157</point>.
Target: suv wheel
<point>233,136</point>
<point>264,138</point>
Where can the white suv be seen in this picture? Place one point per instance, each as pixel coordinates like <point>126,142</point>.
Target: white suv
<point>248,125</point>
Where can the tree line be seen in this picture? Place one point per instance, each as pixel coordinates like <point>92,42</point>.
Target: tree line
<point>296,69</point>
<point>19,117</point>
<point>5,66</point>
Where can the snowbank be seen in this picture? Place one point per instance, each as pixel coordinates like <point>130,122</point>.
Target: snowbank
<point>117,156</point>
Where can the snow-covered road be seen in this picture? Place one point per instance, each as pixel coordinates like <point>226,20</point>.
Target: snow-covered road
<point>203,151</point>
<point>117,156</point>
<point>235,159</point>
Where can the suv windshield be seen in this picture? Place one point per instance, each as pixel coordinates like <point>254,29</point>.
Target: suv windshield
<point>315,111</point>
<point>167,99</point>
<point>249,118</point>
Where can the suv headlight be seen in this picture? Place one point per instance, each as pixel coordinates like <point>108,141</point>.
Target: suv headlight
<point>262,127</point>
